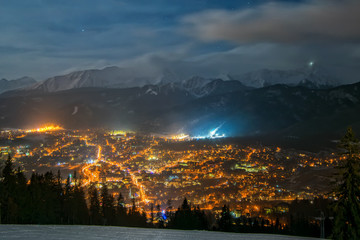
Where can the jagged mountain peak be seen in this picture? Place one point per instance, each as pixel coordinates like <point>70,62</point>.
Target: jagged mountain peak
<point>195,82</point>
<point>318,76</point>
<point>20,83</point>
<point>312,76</point>
<point>168,76</point>
<point>109,77</point>
<point>225,77</point>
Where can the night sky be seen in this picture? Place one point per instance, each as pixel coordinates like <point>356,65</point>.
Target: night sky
<point>43,38</point>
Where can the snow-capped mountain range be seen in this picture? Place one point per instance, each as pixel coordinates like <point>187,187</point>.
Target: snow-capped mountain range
<point>311,76</point>
<point>109,77</point>
<point>253,104</point>
<point>115,77</point>
<point>7,85</point>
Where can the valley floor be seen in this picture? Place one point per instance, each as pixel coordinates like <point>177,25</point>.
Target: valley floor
<point>40,232</point>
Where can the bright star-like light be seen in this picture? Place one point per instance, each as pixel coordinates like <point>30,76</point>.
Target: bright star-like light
<point>311,63</point>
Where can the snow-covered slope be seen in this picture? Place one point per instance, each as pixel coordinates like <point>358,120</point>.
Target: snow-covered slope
<point>167,77</point>
<point>6,85</point>
<point>197,87</point>
<point>41,232</point>
<point>311,76</point>
<point>195,82</point>
<point>113,77</point>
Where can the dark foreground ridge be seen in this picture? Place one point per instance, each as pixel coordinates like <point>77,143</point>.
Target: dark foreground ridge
<point>39,232</point>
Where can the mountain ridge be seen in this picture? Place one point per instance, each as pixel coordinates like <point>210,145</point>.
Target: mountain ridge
<point>8,85</point>
<point>279,111</point>
<point>115,77</point>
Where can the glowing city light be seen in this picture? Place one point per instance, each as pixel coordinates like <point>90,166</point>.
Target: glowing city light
<point>47,128</point>
<point>119,132</point>
<point>180,137</point>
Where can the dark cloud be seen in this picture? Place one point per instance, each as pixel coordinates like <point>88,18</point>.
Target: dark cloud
<point>42,38</point>
<point>280,22</point>
<point>341,62</point>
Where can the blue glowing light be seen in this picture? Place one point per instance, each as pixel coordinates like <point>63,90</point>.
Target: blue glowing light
<point>90,161</point>
<point>212,134</point>
<point>164,215</point>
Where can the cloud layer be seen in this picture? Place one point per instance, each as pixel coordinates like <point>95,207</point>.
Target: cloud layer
<point>280,22</point>
<point>41,38</point>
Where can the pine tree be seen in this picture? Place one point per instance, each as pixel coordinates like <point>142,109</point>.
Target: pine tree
<point>159,217</point>
<point>9,208</point>
<point>48,188</point>
<point>34,198</point>
<point>183,216</point>
<point>225,222</point>
<point>107,206</point>
<point>79,203</point>
<point>133,214</point>
<point>21,196</point>
<point>69,214</point>
<point>152,214</point>
<point>169,209</point>
<point>59,193</point>
<point>121,211</point>
<point>188,218</point>
<point>95,216</point>
<point>347,207</point>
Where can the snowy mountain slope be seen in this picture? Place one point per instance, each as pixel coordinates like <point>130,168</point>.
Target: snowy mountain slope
<point>267,110</point>
<point>115,77</point>
<point>311,76</point>
<point>168,76</point>
<point>43,232</point>
<point>6,85</point>
<point>197,87</point>
<point>241,111</point>
<point>110,77</point>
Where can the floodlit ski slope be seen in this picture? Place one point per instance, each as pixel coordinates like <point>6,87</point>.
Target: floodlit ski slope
<point>39,232</point>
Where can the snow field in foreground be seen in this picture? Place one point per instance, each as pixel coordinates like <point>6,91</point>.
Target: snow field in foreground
<point>39,232</point>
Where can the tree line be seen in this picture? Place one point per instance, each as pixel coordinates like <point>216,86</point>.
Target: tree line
<point>45,200</point>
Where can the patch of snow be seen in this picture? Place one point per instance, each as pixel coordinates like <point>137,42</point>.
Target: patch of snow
<point>109,77</point>
<point>152,92</point>
<point>313,76</point>
<point>76,108</point>
<point>7,85</point>
<point>40,232</point>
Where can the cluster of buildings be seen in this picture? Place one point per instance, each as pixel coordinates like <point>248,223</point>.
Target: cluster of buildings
<point>156,169</point>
